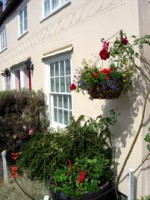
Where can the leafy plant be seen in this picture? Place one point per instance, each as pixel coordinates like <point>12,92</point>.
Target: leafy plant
<point>147,139</point>
<point>20,111</point>
<point>52,149</point>
<point>81,176</point>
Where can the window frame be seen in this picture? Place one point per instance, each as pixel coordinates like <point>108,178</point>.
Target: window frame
<point>58,94</point>
<point>61,4</point>
<point>21,77</point>
<point>22,23</point>
<point>6,82</point>
<point>3,39</point>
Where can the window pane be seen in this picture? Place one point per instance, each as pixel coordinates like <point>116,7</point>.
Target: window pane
<point>66,117</point>
<point>60,101</point>
<point>61,68</point>
<point>52,85</point>
<point>55,4</point>
<point>60,116</point>
<point>56,69</point>
<point>70,115</point>
<point>66,102</point>
<point>52,69</point>
<point>55,100</point>
<point>68,83</point>
<point>7,82</point>
<point>62,84</point>
<point>25,12</point>
<point>46,7</point>
<point>55,115</point>
<point>57,84</point>
<point>64,1</point>
<point>3,39</point>
<point>67,62</point>
<point>23,20</point>
<point>25,24</point>
<point>70,102</point>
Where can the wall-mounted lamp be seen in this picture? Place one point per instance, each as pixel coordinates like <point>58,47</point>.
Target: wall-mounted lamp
<point>29,64</point>
<point>7,72</point>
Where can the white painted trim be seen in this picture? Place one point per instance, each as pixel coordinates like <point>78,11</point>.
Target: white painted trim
<point>46,197</point>
<point>5,171</point>
<point>131,195</point>
<point>57,51</point>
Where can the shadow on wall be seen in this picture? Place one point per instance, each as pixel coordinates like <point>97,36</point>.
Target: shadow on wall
<point>129,107</point>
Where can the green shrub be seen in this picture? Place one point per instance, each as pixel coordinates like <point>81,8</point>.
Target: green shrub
<point>52,149</point>
<point>19,111</point>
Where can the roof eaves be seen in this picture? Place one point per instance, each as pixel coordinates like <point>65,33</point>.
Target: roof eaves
<point>9,9</point>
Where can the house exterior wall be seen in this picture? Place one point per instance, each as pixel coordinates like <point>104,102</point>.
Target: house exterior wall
<point>82,24</point>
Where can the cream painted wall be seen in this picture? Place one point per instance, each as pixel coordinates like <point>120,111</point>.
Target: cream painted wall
<point>83,23</point>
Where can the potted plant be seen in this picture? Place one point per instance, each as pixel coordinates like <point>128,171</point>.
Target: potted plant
<point>88,171</point>
<point>112,81</point>
<point>84,179</point>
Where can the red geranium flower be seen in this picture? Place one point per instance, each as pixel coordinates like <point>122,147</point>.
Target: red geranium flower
<point>95,74</point>
<point>107,77</point>
<point>124,41</point>
<point>105,45</point>
<point>14,156</point>
<point>73,86</point>
<point>81,177</point>
<point>105,71</point>
<point>14,168</point>
<point>104,54</point>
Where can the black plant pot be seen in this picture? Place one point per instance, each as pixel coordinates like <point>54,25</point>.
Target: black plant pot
<point>106,192</point>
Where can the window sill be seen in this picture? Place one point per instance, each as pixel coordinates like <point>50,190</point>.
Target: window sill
<point>21,36</point>
<point>55,11</point>
<point>3,50</point>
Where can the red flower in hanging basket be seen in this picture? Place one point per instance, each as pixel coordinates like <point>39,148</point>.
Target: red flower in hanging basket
<point>73,86</point>
<point>95,74</point>
<point>104,54</point>
<point>124,41</point>
<point>105,71</point>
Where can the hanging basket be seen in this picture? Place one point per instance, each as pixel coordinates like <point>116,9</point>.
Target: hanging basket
<point>110,90</point>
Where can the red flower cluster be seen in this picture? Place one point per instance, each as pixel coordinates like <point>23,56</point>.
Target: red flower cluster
<point>73,86</point>
<point>124,41</point>
<point>14,156</point>
<point>95,74</point>
<point>14,169</point>
<point>104,54</point>
<point>14,172</point>
<point>81,177</point>
<point>106,71</point>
